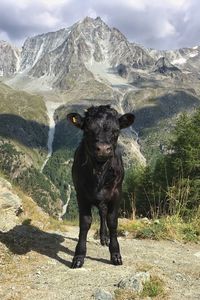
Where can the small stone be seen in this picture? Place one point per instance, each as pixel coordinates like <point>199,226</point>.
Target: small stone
<point>101,294</point>
<point>135,282</point>
<point>156,221</point>
<point>38,273</point>
<point>197,254</point>
<point>126,233</point>
<point>179,277</point>
<point>145,220</point>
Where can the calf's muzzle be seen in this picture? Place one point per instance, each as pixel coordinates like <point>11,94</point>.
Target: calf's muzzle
<point>103,150</point>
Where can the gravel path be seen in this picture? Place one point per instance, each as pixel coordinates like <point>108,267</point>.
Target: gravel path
<point>39,269</point>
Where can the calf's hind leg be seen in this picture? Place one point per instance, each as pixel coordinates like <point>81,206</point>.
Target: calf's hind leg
<point>85,220</point>
<point>103,209</point>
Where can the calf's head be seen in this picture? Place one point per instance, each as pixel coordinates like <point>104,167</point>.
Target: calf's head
<point>101,126</point>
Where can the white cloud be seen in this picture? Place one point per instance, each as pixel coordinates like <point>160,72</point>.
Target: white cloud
<point>47,17</point>
<point>158,24</point>
<point>4,36</point>
<point>92,13</point>
<point>166,29</point>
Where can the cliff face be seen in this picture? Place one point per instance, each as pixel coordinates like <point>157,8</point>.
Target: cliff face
<point>9,59</point>
<point>52,56</point>
<point>55,56</point>
<point>10,206</point>
<point>90,63</point>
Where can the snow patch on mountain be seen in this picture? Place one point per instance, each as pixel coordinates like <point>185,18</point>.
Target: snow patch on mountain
<point>193,54</point>
<point>179,61</point>
<point>39,53</point>
<point>106,74</point>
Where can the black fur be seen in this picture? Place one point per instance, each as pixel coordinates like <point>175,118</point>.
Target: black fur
<point>97,175</point>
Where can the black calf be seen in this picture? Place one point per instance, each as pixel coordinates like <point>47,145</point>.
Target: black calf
<point>97,175</point>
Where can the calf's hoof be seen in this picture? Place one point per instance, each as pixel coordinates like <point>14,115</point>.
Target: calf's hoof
<point>116,259</point>
<point>77,262</point>
<point>104,241</point>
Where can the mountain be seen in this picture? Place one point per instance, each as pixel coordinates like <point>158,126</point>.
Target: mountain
<point>9,59</point>
<point>23,145</point>
<point>51,60</point>
<point>90,61</point>
<point>55,56</point>
<point>164,66</point>
<point>88,64</point>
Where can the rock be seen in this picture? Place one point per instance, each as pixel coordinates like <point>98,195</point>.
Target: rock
<point>157,222</point>
<point>8,200</point>
<point>179,277</point>
<point>9,59</point>
<point>10,206</point>
<point>135,282</point>
<point>164,66</point>
<point>145,220</point>
<point>197,254</point>
<point>101,294</point>
<point>38,273</point>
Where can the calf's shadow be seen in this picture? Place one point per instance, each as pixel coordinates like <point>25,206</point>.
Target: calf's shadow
<point>25,238</point>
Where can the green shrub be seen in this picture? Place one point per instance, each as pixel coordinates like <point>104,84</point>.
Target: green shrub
<point>172,184</point>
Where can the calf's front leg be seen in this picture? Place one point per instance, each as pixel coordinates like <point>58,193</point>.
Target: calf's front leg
<point>85,220</point>
<point>112,222</point>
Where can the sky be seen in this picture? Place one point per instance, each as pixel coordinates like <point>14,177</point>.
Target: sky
<point>158,24</point>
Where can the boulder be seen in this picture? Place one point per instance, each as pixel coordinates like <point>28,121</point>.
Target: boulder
<point>10,206</point>
<point>135,282</point>
<point>101,294</point>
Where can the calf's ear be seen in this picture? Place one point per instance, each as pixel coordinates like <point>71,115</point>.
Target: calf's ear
<point>126,120</point>
<point>76,120</point>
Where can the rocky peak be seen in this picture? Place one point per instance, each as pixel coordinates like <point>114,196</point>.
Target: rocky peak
<point>163,66</point>
<point>9,59</point>
<point>77,51</point>
<point>86,42</point>
<point>36,47</point>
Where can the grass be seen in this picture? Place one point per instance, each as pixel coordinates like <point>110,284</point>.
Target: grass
<point>35,216</point>
<point>23,104</point>
<point>170,227</point>
<point>24,108</point>
<point>153,289</point>
<point>14,267</point>
<point>165,228</point>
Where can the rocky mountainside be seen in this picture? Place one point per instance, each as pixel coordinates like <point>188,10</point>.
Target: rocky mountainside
<point>9,59</point>
<point>185,58</point>
<point>35,258</point>
<point>36,253</point>
<point>90,63</point>
<point>54,57</point>
<point>70,70</point>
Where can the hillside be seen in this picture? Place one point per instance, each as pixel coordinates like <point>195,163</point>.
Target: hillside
<point>36,252</point>
<point>71,69</point>
<point>90,63</point>
<point>23,121</point>
<point>23,145</point>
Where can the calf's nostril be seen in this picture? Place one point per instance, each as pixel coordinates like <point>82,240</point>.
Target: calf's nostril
<point>108,149</point>
<point>98,149</point>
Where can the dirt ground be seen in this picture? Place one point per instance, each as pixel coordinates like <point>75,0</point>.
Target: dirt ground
<point>36,265</point>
